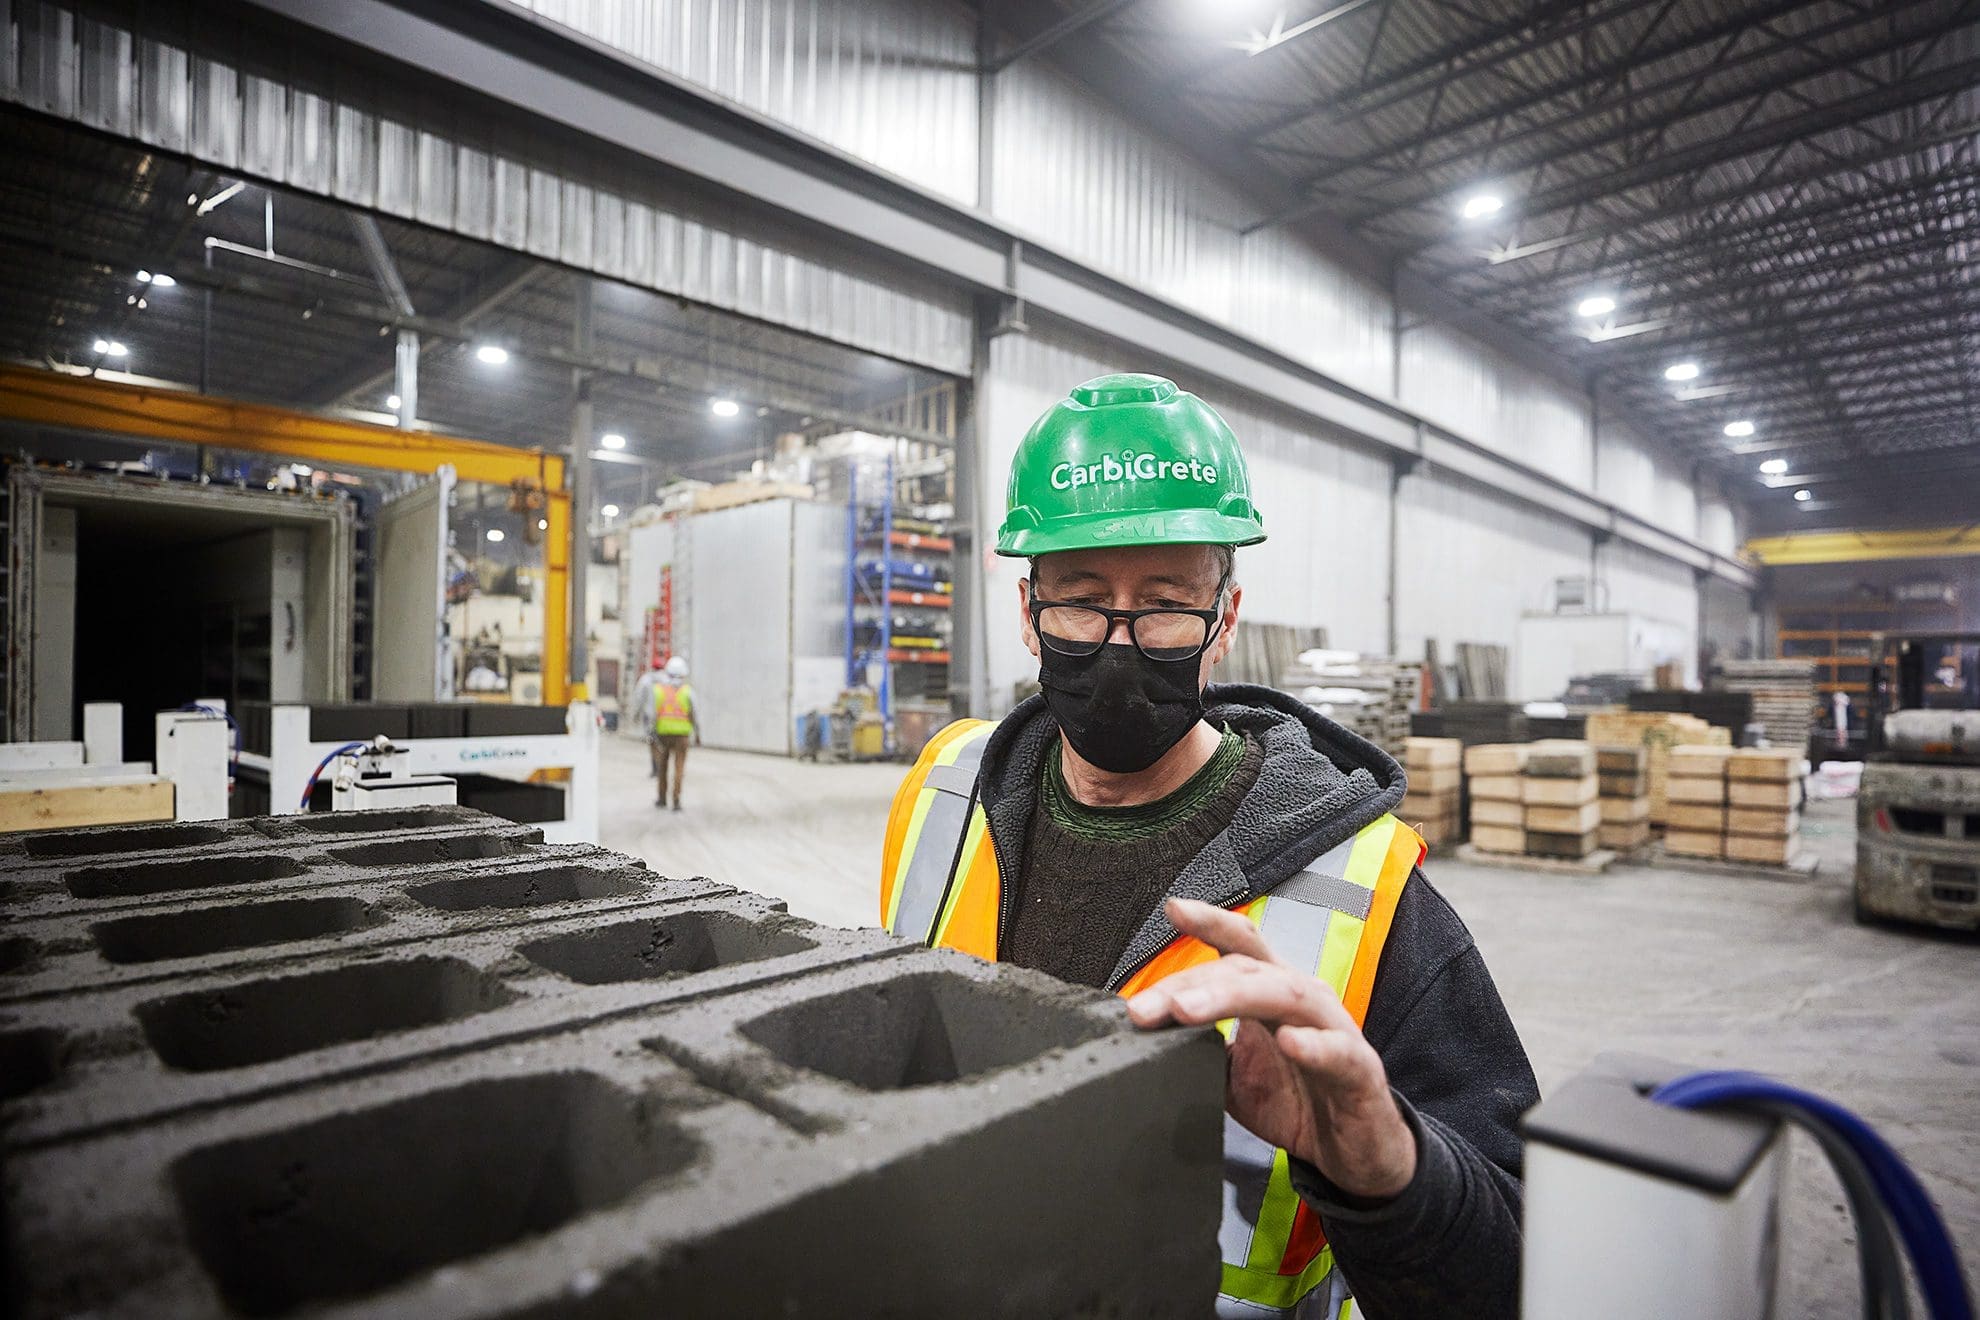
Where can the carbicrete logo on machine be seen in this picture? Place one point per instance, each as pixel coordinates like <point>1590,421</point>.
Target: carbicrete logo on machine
<point>1131,466</point>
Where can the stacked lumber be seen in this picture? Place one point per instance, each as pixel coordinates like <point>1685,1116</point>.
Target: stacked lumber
<point>1432,806</point>
<point>1658,732</point>
<point>1625,796</point>
<point>1372,695</point>
<point>1763,804</point>
<point>1559,794</point>
<point>1695,814</point>
<point>1784,699</point>
<point>1495,777</point>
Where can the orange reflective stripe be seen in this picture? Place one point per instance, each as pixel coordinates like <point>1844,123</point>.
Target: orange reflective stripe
<point>901,814</point>
<point>1406,850</point>
<point>969,922</point>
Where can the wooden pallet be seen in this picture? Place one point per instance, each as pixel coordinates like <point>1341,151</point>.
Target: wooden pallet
<point>1594,863</point>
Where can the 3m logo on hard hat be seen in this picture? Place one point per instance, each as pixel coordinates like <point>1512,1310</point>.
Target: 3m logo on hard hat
<point>1131,466</point>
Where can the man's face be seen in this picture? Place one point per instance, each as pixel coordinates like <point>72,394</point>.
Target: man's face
<point>1135,578</point>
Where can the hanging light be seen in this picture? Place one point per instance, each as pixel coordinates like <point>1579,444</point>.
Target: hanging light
<point>610,511</point>
<point>1739,430</point>
<point>495,535</point>
<point>493,354</point>
<point>1479,205</point>
<point>393,401</point>
<point>724,407</point>
<point>1804,495</point>
<point>1773,467</point>
<point>1681,371</point>
<point>1600,304</point>
<point>612,440</point>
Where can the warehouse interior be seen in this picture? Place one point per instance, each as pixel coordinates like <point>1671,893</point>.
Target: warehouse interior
<point>481,475</point>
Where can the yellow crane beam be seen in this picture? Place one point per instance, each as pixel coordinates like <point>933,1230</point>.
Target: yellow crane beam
<point>1853,547</point>
<point>150,412</point>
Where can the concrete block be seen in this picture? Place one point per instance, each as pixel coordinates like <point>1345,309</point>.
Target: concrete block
<point>1561,758</point>
<point>141,1051</point>
<point>79,947</point>
<point>919,1135</point>
<point>1624,810</point>
<point>1559,792</point>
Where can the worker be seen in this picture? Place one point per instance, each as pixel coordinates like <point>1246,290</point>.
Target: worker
<point>1225,855</point>
<point>674,721</point>
<point>643,714</point>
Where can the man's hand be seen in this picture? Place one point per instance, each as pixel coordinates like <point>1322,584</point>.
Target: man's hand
<point>1302,1076</point>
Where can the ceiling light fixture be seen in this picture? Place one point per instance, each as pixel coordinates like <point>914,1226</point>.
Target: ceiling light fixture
<point>1739,430</point>
<point>724,407</point>
<point>393,401</point>
<point>1479,205</point>
<point>144,277</point>
<point>612,440</point>
<point>110,348</point>
<point>162,281</point>
<point>610,511</point>
<point>1804,495</point>
<point>1773,467</point>
<point>542,524</point>
<point>495,534</point>
<point>1681,371</point>
<point>493,354</point>
<point>1599,305</point>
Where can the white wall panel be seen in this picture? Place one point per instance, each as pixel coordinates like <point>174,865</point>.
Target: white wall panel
<point>890,81</point>
<point>1509,408</point>
<point>1646,479</point>
<point>1646,584</point>
<point>1470,562</point>
<point>1719,524</point>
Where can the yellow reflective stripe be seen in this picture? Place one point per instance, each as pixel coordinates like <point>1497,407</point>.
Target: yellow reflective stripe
<point>1273,1230</point>
<point>1254,912</point>
<point>978,823</point>
<point>1371,849</point>
<point>1280,1291</point>
<point>1337,953</point>
<point>909,843</point>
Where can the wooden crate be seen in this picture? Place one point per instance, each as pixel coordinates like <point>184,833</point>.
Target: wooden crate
<point>1689,843</point>
<point>1428,753</point>
<point>1561,758</point>
<point>1767,764</point>
<point>1693,790</point>
<point>1624,784</point>
<point>1696,817</point>
<point>1761,793</point>
<point>1497,811</point>
<point>1564,820</point>
<point>1624,834</point>
<point>1693,762</point>
<point>1621,810</point>
<point>1497,788</point>
<point>1498,838</point>
<point>1562,845</point>
<point>1559,792</point>
<point>1629,760</point>
<point>1764,822</point>
<point>1497,758</point>
<point>1434,779</point>
<point>1771,852</point>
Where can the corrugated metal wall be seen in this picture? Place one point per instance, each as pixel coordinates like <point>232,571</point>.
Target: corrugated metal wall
<point>1647,480</point>
<point>1647,584</point>
<point>1509,408</point>
<point>1326,500</point>
<point>195,82</point>
<point>1470,562</point>
<point>890,81</point>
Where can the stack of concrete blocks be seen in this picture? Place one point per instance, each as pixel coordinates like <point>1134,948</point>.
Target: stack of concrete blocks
<point>1658,732</point>
<point>1433,807</point>
<point>1561,794</point>
<point>1495,779</point>
<point>1625,802</point>
<point>417,1063</point>
<point>1763,805</point>
<point>1695,817</point>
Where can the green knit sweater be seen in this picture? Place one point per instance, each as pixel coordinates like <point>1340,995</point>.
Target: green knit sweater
<point>1092,875</point>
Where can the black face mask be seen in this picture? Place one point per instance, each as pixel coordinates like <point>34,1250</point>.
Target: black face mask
<point>1119,709</point>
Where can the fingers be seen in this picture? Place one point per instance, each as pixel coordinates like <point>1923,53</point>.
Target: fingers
<point>1220,928</point>
<point>1241,987</point>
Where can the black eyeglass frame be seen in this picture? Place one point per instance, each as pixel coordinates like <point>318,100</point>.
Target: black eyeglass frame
<point>1213,619</point>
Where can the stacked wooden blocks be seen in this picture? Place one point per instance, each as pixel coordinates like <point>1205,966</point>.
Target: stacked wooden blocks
<point>1763,804</point>
<point>1496,776</point>
<point>1625,801</point>
<point>1436,784</point>
<point>1561,796</point>
<point>1695,810</point>
<point>1659,733</point>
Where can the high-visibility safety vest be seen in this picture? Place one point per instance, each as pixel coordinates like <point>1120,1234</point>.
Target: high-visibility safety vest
<point>673,708</point>
<point>940,884</point>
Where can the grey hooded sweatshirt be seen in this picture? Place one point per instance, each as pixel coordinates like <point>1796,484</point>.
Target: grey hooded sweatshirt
<point>1448,1245</point>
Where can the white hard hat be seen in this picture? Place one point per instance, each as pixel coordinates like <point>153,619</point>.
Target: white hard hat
<point>677,667</point>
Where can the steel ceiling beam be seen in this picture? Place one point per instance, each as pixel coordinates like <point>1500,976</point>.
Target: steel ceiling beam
<point>1094,12</point>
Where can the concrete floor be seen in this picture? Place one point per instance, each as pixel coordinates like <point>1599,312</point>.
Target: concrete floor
<point>1709,970</point>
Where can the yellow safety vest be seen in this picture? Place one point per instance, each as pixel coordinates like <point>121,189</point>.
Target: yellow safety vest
<point>673,709</point>
<point>940,884</point>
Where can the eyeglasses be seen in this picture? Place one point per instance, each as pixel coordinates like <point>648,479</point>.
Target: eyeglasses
<point>1159,634</point>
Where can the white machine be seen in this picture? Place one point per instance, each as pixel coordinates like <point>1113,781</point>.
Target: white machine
<point>379,775</point>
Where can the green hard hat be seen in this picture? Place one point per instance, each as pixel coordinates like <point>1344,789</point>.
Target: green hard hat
<point>1128,460</point>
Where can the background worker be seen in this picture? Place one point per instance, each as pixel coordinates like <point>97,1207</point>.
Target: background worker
<point>674,722</point>
<point>642,711</point>
<point>1225,854</point>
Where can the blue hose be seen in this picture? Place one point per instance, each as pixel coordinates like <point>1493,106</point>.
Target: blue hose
<point>317,773</point>
<point>1924,1234</point>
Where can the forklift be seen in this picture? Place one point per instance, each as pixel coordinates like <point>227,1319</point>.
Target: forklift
<point>1918,812</point>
